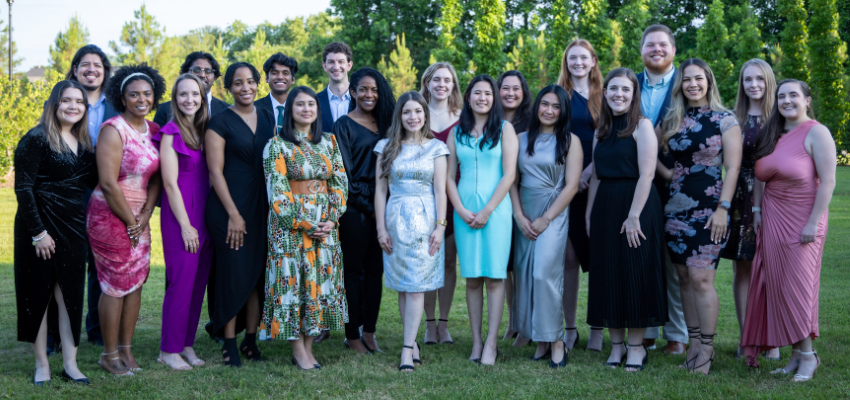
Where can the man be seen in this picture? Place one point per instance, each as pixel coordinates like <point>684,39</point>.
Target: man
<point>657,49</point>
<point>204,66</point>
<point>335,99</point>
<point>91,68</point>
<point>280,73</point>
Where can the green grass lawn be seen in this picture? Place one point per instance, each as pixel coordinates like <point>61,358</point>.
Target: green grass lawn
<point>446,373</point>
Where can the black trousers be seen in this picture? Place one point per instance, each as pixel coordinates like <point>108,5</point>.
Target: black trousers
<point>363,267</point>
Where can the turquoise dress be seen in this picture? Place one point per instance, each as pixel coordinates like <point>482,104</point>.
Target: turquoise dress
<point>482,252</point>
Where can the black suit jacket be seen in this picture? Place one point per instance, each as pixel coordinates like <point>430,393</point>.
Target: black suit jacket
<point>666,159</point>
<point>265,103</point>
<point>163,112</point>
<point>325,106</point>
<point>666,105</point>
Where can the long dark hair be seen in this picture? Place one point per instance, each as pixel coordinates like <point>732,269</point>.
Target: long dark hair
<point>562,125</point>
<point>383,111</point>
<point>774,127</point>
<point>53,128</point>
<point>633,114</point>
<point>522,117</point>
<point>493,126</point>
<point>287,131</point>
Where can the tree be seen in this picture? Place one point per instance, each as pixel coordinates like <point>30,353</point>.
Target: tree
<point>256,55</point>
<point>148,43</point>
<point>400,71</point>
<point>747,38</point>
<point>793,40</point>
<point>634,18</point>
<point>4,51</point>
<point>826,50</point>
<point>561,33</point>
<point>447,44</point>
<point>530,57</point>
<point>713,46</point>
<point>595,27</point>
<point>489,38</point>
<point>66,45</point>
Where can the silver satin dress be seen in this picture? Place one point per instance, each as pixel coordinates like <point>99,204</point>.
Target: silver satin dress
<point>539,264</point>
<point>411,217</point>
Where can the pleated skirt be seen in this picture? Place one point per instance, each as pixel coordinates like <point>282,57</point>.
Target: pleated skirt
<point>626,286</point>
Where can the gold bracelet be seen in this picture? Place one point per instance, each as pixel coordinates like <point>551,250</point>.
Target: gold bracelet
<point>442,222</point>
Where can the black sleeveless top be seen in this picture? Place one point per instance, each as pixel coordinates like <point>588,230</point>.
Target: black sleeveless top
<point>616,157</point>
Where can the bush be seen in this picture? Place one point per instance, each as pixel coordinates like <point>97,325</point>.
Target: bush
<point>20,108</point>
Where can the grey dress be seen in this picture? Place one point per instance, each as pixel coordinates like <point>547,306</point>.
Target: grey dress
<point>539,264</point>
<point>411,217</point>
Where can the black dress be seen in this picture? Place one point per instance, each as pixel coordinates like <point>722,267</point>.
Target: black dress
<point>742,235</point>
<point>626,286</point>
<point>50,187</point>
<point>583,126</point>
<point>240,271</point>
<point>358,232</point>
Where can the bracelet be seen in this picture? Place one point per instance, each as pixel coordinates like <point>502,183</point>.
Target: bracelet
<point>442,222</point>
<point>756,209</point>
<point>150,211</point>
<point>36,239</point>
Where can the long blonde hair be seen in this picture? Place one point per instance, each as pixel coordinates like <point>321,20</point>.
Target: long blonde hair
<point>594,98</point>
<point>396,133</point>
<point>189,125</point>
<point>52,126</point>
<point>455,99</point>
<point>742,103</point>
<point>672,122</point>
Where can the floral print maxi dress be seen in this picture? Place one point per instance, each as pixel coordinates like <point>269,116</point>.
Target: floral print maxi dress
<point>304,287</point>
<point>697,149</point>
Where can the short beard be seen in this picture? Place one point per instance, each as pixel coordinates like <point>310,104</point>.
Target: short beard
<point>278,92</point>
<point>90,88</point>
<point>664,67</point>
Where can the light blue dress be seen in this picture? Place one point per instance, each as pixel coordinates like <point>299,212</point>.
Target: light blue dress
<point>482,252</point>
<point>411,217</point>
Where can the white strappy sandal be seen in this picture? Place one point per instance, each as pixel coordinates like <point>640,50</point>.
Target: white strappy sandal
<point>782,370</point>
<point>805,378</point>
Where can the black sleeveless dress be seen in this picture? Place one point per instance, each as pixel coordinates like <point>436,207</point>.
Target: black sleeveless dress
<point>626,286</point>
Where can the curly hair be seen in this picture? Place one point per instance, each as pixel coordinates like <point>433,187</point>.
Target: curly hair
<point>115,88</point>
<point>84,51</point>
<point>281,59</point>
<point>231,70</point>
<point>383,111</point>
<point>195,56</point>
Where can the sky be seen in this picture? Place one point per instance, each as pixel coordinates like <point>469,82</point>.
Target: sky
<point>36,22</point>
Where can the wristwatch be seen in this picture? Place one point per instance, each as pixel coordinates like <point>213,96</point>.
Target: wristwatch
<point>725,205</point>
<point>442,222</point>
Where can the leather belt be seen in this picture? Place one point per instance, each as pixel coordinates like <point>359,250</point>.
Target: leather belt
<point>312,186</point>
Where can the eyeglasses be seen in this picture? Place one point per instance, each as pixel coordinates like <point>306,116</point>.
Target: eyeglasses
<point>199,70</point>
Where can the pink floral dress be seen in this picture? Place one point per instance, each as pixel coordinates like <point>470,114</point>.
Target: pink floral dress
<point>121,269</point>
<point>697,149</point>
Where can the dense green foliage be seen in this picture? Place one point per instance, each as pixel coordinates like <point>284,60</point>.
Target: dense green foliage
<point>713,46</point>
<point>828,84</point>
<point>489,37</point>
<point>795,54</point>
<point>634,18</point>
<point>62,51</point>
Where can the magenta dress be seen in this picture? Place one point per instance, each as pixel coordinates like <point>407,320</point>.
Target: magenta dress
<point>121,269</point>
<point>782,305</point>
<point>186,273</point>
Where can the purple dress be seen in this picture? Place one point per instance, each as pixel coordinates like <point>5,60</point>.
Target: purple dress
<point>186,274</point>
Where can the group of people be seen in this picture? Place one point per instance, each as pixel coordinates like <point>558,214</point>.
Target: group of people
<point>294,210</point>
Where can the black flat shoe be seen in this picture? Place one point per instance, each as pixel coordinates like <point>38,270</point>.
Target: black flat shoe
<point>562,363</point>
<point>639,367</point>
<point>622,359</point>
<point>317,366</point>
<point>84,381</point>
<point>295,363</point>
<point>38,383</point>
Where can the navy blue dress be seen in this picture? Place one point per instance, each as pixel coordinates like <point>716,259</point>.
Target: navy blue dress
<point>583,126</point>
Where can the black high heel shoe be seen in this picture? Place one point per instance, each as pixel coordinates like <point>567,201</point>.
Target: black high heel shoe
<point>622,359</point>
<point>295,363</point>
<point>575,342</point>
<point>642,363</point>
<point>705,340</point>
<point>231,353</point>
<point>407,367</point>
<point>83,380</point>
<point>251,351</point>
<point>428,343</point>
<point>544,356</point>
<point>38,383</point>
<point>447,327</point>
<point>563,362</point>
<point>417,361</point>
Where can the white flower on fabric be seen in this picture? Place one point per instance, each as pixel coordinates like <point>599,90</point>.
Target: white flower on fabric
<point>680,202</point>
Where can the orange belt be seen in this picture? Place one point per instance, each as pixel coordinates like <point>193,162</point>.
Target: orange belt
<point>313,186</point>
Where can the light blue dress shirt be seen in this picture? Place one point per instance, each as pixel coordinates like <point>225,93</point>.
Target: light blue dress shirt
<point>96,112</point>
<point>339,106</point>
<point>652,96</point>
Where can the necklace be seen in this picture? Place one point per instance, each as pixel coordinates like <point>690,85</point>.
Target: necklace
<point>437,114</point>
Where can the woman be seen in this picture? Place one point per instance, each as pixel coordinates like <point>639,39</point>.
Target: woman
<point>549,169</point>
<point>368,120</point>
<point>581,77</point>
<point>121,207</point>
<point>485,146</point>
<point>756,84</point>
<point>307,188</point>
<point>516,107</point>
<point>701,136</point>
<point>237,212</point>
<point>54,165</point>
<point>186,247</point>
<point>626,285</point>
<point>412,165</point>
<point>440,89</point>
<point>796,161</point>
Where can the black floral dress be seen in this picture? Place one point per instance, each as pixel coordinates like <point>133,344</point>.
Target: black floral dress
<point>742,234</point>
<point>697,150</point>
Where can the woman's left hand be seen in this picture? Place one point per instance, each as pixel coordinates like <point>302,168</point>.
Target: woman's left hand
<point>718,224</point>
<point>631,226</point>
<point>809,233</point>
<point>323,229</point>
<point>539,225</point>
<point>480,219</point>
<point>436,239</point>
